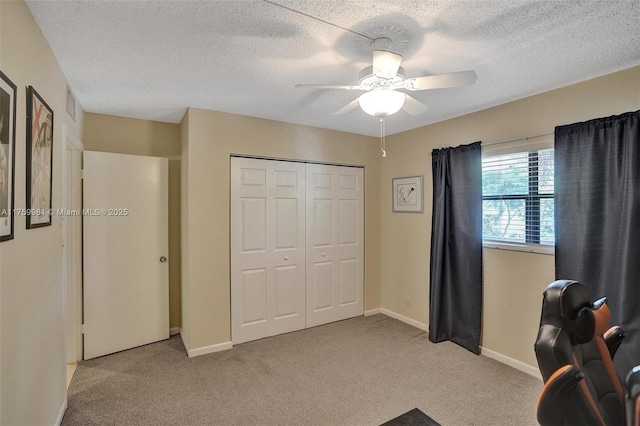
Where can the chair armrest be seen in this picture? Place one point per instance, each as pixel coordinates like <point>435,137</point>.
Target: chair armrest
<point>613,337</point>
<point>633,397</point>
<point>555,393</point>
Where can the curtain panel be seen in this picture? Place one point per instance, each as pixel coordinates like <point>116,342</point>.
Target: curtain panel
<point>455,306</point>
<point>597,213</point>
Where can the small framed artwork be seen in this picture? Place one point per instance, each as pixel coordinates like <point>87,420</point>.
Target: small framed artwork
<point>39,160</point>
<point>7,155</point>
<point>407,194</point>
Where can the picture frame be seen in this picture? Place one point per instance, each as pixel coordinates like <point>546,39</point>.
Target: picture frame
<point>7,156</point>
<point>407,194</point>
<point>71,104</point>
<point>39,160</point>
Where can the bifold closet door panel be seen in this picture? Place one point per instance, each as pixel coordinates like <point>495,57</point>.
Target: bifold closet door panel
<point>335,243</point>
<point>267,248</point>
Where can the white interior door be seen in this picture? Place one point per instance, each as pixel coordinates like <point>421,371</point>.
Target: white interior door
<point>267,248</point>
<point>335,243</point>
<point>125,243</point>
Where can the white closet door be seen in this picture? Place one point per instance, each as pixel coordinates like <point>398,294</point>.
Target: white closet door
<point>335,243</point>
<point>267,248</point>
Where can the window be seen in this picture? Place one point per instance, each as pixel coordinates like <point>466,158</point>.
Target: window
<point>517,198</point>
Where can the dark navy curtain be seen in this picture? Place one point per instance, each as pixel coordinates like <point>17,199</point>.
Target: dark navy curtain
<point>597,209</point>
<point>455,306</point>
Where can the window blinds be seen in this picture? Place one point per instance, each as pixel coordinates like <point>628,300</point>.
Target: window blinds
<point>517,193</point>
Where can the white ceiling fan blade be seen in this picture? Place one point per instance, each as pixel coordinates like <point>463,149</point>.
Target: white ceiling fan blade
<point>386,64</point>
<point>327,86</point>
<point>413,106</point>
<point>348,107</point>
<point>442,81</point>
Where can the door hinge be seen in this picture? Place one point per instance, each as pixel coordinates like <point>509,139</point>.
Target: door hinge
<point>82,328</point>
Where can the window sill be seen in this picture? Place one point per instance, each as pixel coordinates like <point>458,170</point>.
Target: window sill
<point>529,248</point>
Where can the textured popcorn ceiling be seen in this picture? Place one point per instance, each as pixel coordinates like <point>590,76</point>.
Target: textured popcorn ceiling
<point>153,59</point>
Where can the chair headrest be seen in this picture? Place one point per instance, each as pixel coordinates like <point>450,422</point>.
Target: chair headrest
<point>566,305</point>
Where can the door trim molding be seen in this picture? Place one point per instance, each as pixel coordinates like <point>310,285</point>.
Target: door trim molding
<point>294,160</point>
<point>72,288</point>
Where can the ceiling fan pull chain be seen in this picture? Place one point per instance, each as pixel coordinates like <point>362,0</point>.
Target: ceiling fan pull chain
<point>383,152</point>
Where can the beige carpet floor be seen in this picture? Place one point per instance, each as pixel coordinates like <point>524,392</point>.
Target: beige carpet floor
<point>362,371</point>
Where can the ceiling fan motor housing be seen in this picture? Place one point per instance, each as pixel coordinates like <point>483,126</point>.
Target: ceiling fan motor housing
<point>368,80</point>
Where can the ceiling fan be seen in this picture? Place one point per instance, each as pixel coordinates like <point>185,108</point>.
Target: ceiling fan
<point>382,81</point>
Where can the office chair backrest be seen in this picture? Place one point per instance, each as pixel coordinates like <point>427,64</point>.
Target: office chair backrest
<point>570,343</point>
<point>633,397</point>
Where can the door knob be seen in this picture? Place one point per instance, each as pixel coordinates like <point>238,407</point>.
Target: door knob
<point>324,254</point>
<point>286,258</point>
<point>163,259</point>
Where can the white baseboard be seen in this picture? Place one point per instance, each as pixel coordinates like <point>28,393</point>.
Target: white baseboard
<point>205,349</point>
<point>210,349</point>
<point>61,412</point>
<point>399,317</point>
<point>518,365</point>
<point>174,330</point>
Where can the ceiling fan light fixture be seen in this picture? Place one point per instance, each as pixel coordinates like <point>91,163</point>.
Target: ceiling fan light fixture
<point>381,103</point>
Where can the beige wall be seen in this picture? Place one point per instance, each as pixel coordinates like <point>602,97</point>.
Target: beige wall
<point>106,133</point>
<point>32,315</point>
<point>209,138</point>
<point>513,281</point>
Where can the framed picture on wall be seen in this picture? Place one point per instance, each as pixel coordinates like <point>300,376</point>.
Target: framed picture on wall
<point>39,160</point>
<point>407,194</point>
<point>7,155</point>
<point>71,104</point>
